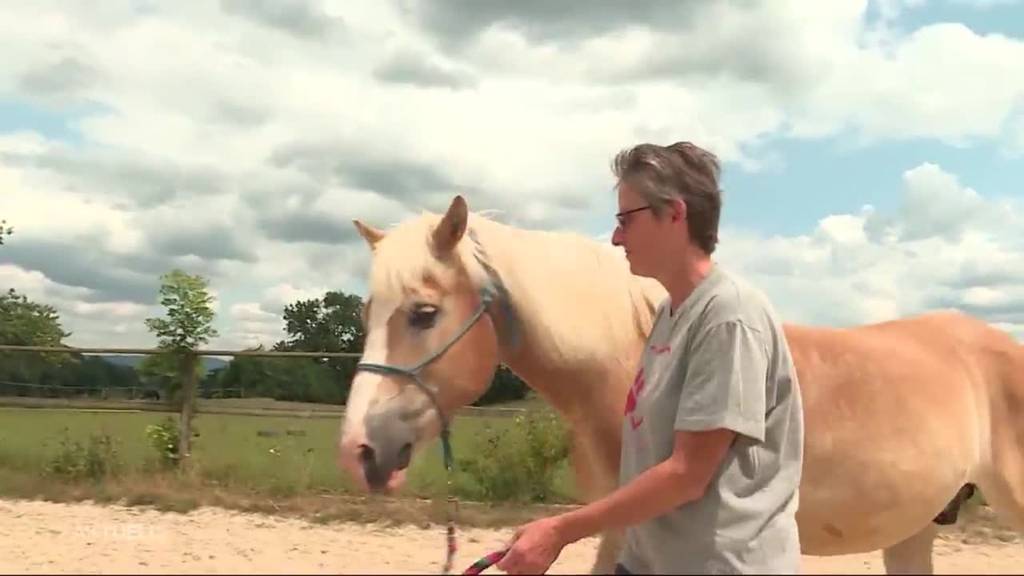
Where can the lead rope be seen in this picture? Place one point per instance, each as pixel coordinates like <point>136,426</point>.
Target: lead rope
<point>452,507</point>
<point>452,513</point>
<point>486,562</point>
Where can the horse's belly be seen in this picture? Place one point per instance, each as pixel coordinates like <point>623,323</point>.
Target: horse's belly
<point>846,531</point>
<point>858,497</point>
<point>891,434</point>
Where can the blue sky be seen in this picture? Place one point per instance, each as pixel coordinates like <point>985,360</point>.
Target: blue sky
<point>825,176</point>
<point>993,17</point>
<point>236,144</point>
<point>17,115</point>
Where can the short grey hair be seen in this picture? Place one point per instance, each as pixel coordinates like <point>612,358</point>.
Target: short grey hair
<point>682,170</point>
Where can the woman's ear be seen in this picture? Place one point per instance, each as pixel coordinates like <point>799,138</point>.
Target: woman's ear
<point>678,209</point>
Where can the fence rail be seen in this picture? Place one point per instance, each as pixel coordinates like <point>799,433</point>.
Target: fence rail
<point>472,411</point>
<point>198,352</point>
<point>210,406</point>
<point>8,388</point>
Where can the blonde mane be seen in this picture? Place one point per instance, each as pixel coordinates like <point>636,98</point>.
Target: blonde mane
<point>573,295</point>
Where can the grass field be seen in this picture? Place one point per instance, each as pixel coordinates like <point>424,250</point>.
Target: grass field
<point>276,456</point>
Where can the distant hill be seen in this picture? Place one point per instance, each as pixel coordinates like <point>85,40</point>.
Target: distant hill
<point>133,361</point>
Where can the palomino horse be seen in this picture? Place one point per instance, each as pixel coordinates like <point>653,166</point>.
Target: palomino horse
<point>899,416</point>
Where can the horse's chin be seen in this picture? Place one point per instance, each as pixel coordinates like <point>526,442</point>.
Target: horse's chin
<point>397,481</point>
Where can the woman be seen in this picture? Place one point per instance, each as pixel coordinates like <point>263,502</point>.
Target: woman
<point>712,435</point>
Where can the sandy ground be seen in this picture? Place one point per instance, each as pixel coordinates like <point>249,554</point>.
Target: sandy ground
<point>43,537</point>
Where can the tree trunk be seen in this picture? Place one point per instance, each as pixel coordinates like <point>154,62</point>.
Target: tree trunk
<point>188,393</point>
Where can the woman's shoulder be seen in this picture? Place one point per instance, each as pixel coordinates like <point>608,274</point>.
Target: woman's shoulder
<point>733,298</point>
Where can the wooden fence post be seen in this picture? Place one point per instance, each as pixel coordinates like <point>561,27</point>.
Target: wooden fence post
<point>188,390</point>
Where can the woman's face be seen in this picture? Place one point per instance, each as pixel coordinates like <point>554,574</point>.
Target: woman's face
<point>638,232</point>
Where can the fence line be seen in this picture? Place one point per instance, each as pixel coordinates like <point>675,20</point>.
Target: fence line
<point>186,372</point>
<point>197,352</point>
<point>466,410</point>
<point>132,392</point>
<point>211,406</point>
<point>64,386</point>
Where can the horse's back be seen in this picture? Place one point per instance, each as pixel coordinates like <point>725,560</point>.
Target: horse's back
<point>954,335</point>
<point>937,364</point>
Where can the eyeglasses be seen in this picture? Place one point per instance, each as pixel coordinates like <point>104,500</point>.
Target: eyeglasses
<point>621,216</point>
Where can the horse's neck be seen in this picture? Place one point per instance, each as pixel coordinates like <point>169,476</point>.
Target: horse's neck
<point>573,339</point>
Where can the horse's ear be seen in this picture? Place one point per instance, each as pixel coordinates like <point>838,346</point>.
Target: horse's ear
<point>369,233</point>
<point>452,226</point>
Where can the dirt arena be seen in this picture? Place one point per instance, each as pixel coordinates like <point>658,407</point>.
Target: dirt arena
<point>43,537</point>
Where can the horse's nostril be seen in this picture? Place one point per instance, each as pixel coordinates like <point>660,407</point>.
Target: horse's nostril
<point>404,456</point>
<point>366,454</point>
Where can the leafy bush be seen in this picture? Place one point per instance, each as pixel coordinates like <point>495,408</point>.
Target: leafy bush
<point>518,463</point>
<point>96,460</point>
<point>163,438</point>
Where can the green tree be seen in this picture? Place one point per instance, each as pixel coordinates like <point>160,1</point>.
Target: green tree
<point>188,324</point>
<point>189,306</point>
<point>329,324</point>
<point>27,323</point>
<point>5,230</point>
<point>282,379</point>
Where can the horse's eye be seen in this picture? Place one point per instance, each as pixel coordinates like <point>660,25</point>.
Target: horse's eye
<point>423,316</point>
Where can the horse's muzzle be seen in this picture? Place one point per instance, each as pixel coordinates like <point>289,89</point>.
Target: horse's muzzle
<point>388,447</point>
<point>378,473</point>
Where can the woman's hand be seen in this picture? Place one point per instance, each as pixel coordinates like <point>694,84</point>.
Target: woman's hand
<point>535,547</point>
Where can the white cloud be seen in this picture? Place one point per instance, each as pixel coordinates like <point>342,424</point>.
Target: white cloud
<point>108,310</point>
<point>935,204</point>
<point>239,142</point>
<point>942,81</point>
<point>47,208</point>
<point>276,297</point>
<point>252,312</point>
<point>250,325</point>
<point>33,281</point>
<point>111,323</point>
<point>985,4</point>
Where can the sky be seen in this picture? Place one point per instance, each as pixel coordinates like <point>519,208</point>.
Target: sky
<point>872,151</point>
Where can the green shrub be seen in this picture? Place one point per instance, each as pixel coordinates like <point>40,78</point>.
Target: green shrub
<point>163,437</point>
<point>98,459</point>
<point>518,463</point>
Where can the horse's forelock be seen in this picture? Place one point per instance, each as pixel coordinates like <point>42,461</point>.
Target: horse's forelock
<point>404,259</point>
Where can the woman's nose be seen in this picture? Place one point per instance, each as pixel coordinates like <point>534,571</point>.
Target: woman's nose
<point>617,236</point>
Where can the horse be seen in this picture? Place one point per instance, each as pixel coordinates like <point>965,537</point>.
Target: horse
<point>901,416</point>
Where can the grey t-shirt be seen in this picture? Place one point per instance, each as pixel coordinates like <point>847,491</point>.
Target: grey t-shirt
<point>720,361</point>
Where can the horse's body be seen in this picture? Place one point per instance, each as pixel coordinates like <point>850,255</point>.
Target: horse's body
<point>898,415</point>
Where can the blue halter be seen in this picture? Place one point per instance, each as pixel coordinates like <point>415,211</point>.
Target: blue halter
<point>413,373</point>
<point>492,291</point>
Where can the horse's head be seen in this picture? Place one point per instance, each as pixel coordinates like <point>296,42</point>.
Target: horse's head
<point>426,307</point>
